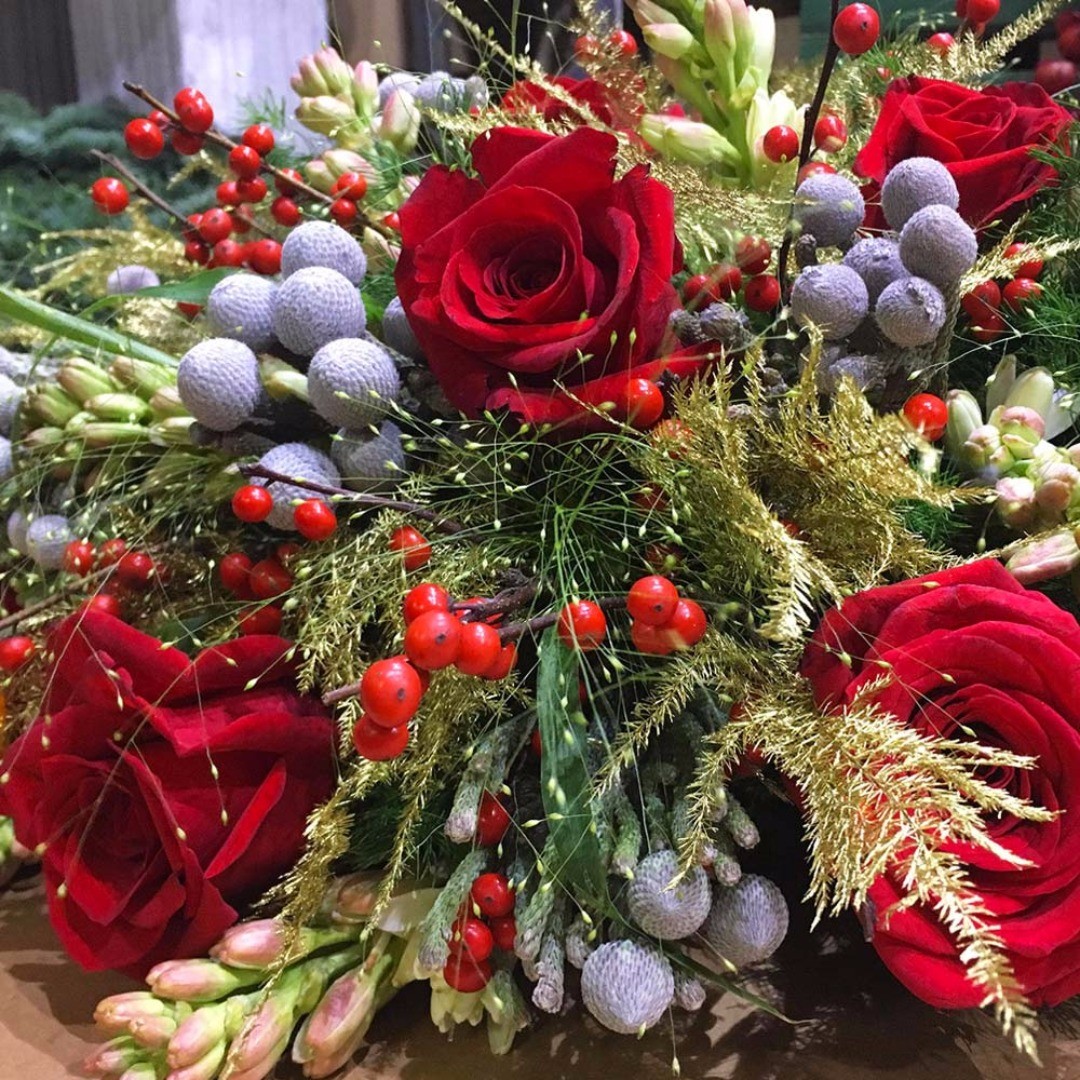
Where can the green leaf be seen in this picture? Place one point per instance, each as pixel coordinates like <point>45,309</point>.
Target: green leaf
<point>20,308</point>
<point>727,983</point>
<point>191,290</point>
<point>565,782</point>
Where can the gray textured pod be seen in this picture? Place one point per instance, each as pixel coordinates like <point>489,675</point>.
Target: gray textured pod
<point>627,986</point>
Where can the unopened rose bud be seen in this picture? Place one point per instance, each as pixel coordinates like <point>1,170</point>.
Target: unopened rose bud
<point>197,980</point>
<point>668,39</point>
<point>965,416</point>
<point>1034,389</point>
<point>197,1036</point>
<point>1044,559</point>
<point>1016,501</point>
<point>686,140</point>
<point>1058,486</point>
<point>399,123</point>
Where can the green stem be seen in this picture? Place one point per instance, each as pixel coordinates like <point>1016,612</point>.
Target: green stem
<point>22,309</point>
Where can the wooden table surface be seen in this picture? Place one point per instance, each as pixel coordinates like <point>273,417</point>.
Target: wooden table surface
<point>858,1024</point>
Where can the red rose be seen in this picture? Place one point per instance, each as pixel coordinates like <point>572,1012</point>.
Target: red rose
<point>970,650</point>
<point>163,792</point>
<point>984,138</point>
<point>544,269</point>
<point>529,95</point>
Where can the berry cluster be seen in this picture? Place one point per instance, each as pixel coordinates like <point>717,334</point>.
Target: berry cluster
<point>663,622</point>
<point>984,302</point>
<point>761,291</point>
<point>1055,74</point>
<point>622,42</point>
<point>265,580</point>
<point>974,15</point>
<point>485,923</point>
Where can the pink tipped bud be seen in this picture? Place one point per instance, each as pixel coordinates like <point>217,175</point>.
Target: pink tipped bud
<point>195,980</point>
<point>1044,559</point>
<point>345,1008</point>
<point>399,124</point>
<point>143,1071</point>
<point>113,1014</point>
<point>262,1039</point>
<point>251,945</point>
<point>153,1032</point>
<point>113,1057</point>
<point>206,1068</point>
<point>1057,487</point>
<point>197,1036</point>
<point>1016,501</point>
<point>325,115</point>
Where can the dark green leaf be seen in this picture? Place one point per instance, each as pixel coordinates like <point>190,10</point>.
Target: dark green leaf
<point>564,771</point>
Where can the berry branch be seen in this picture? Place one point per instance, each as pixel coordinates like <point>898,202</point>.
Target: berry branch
<point>150,196</point>
<point>832,52</point>
<point>509,599</point>
<point>54,598</point>
<point>445,525</point>
<point>217,137</point>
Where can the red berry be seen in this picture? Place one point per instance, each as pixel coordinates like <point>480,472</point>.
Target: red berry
<point>260,620</point>
<point>830,133</point>
<point>981,11</point>
<point>1031,267</point>
<point>144,138</point>
<point>109,195</point>
<point>242,215</point>
<point>582,625</point>
<point>136,569</point>
<point>504,931</point>
<point>856,29</point>
<point>390,692</point>
<point>504,663</point>
<point>260,137</point>
<point>264,257</point>
<point>927,414</point>
<point>286,551</point>
<point>642,403</point>
<point>686,627</point>
<point>990,326</point>
<point>215,225</point>
<point>650,639</point>
<point>941,42</point>
<point>197,252</point>
<point>472,939</point>
<point>393,221</point>
<point>652,600</point>
<point>813,168</point>
<point>350,185</point>
<point>465,976</point>
<point>185,142</point>
<point>780,144</point>
<point>110,553</point>
<point>492,820</point>
<point>479,649</point>
<point>1068,41</point>
<point>762,293</point>
<point>424,597</point>
<point>252,503</point>
<point>235,573</point>
<point>193,110</point>
<point>105,603</point>
<point>1055,75</point>
<point>413,545</point>
<point>753,254</point>
<point>1020,292</point>
<point>15,651</point>
<point>156,116</point>
<point>245,161</point>
<point>188,310</point>
<point>344,211</point>
<point>285,212</point>
<point>315,520</point>
<point>379,743</point>
<point>984,298</point>
<point>79,557</point>
<point>227,253</point>
<point>252,189</point>
<point>624,42</point>
<point>492,894</point>
<point>269,579</point>
<point>284,182</point>
<point>432,640</point>
<point>586,46</point>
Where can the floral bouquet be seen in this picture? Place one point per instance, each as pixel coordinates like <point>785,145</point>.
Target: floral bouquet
<point>437,568</point>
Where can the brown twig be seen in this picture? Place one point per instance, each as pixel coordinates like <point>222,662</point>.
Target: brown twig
<point>832,53</point>
<point>153,197</point>
<point>217,137</point>
<point>444,525</point>
<point>508,600</point>
<point>54,598</point>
